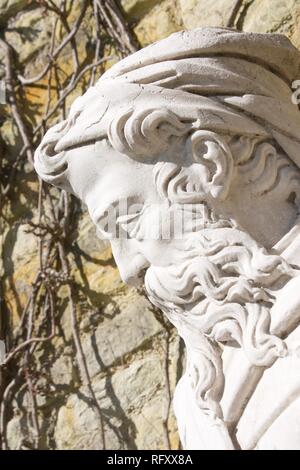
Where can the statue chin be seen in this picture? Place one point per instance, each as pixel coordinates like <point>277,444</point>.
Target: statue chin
<point>199,134</point>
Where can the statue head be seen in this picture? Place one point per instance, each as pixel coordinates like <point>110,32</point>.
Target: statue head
<point>199,130</point>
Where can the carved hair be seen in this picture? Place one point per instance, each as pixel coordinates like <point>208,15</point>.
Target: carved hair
<point>258,162</point>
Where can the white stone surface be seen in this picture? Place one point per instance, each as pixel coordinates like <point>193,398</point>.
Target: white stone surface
<point>202,124</point>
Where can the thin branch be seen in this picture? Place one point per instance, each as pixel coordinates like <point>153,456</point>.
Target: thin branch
<point>67,39</point>
<point>80,353</point>
<point>9,67</point>
<point>117,27</point>
<point>53,228</point>
<point>68,91</point>
<point>234,13</point>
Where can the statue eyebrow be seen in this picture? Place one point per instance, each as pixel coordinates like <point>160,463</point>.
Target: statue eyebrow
<point>76,146</point>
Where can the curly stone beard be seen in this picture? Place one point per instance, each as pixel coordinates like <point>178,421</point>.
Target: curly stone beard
<point>221,293</point>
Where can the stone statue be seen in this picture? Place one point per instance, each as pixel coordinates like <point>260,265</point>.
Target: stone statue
<point>201,128</point>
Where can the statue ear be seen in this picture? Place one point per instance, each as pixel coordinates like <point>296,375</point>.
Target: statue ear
<point>212,161</point>
<point>206,170</point>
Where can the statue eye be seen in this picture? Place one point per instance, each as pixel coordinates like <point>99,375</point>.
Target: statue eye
<point>128,218</point>
<point>131,224</point>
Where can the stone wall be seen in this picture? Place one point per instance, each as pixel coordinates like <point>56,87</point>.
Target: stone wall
<point>133,356</point>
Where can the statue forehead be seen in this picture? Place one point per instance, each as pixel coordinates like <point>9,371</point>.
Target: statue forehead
<point>92,114</point>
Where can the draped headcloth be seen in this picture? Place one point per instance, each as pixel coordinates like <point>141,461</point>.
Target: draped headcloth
<point>225,80</point>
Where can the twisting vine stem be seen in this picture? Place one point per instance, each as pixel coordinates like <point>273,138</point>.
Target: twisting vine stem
<point>38,322</point>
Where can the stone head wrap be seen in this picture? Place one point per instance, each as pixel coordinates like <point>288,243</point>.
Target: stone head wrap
<point>228,81</point>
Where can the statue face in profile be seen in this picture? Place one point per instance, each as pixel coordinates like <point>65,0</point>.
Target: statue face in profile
<point>187,157</point>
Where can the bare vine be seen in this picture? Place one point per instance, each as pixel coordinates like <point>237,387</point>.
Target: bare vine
<point>38,320</point>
